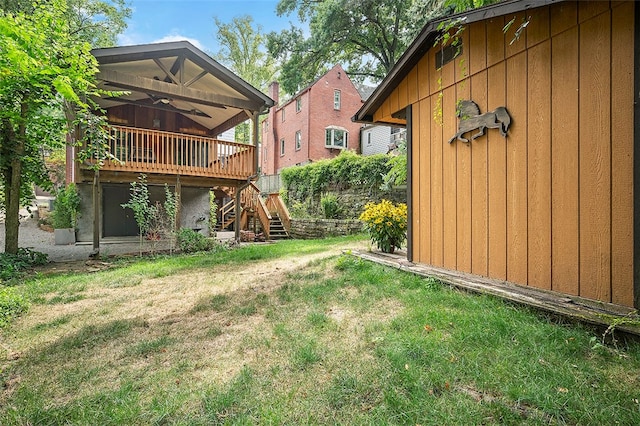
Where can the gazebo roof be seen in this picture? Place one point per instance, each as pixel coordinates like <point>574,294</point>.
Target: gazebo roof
<point>180,78</point>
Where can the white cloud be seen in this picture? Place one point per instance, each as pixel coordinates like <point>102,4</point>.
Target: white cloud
<point>131,38</point>
<point>178,37</point>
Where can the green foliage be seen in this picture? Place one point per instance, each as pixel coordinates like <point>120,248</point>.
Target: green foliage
<point>171,213</point>
<point>213,212</point>
<point>397,174</point>
<point>330,206</point>
<point>191,241</point>
<point>242,49</point>
<point>97,22</point>
<point>386,223</point>
<point>143,210</point>
<point>46,69</point>
<point>366,36</point>
<point>67,207</point>
<point>11,265</point>
<point>12,305</point>
<point>346,170</point>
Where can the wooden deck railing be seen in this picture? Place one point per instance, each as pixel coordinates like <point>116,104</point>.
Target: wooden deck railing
<point>154,151</point>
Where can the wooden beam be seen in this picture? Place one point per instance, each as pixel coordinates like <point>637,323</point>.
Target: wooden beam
<point>232,122</point>
<point>196,78</point>
<point>636,163</point>
<point>161,107</point>
<point>97,202</point>
<point>410,242</point>
<point>178,192</point>
<point>162,88</point>
<point>164,69</point>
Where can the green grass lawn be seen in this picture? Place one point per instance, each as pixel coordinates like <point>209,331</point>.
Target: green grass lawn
<point>296,333</point>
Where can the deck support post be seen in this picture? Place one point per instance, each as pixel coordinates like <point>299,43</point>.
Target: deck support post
<point>178,202</point>
<point>236,226</point>
<point>96,213</point>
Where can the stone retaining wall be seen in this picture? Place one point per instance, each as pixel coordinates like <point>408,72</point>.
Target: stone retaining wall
<point>306,229</point>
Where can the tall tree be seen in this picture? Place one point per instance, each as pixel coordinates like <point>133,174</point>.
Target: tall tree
<point>43,68</point>
<point>366,36</point>
<point>243,50</point>
<point>95,21</point>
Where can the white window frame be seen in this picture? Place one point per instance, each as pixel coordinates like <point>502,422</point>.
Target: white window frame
<point>282,147</point>
<point>330,138</point>
<point>298,140</point>
<point>298,104</point>
<point>337,99</point>
<point>282,112</point>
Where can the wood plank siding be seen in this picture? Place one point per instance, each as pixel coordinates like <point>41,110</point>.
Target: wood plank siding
<point>551,205</point>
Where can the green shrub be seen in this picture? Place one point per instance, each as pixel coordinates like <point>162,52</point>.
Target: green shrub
<point>191,241</point>
<point>12,304</point>
<point>346,170</point>
<point>330,206</point>
<point>66,207</point>
<point>12,265</point>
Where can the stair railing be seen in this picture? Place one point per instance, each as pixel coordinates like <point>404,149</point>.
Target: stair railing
<point>226,210</point>
<point>275,204</point>
<point>251,200</point>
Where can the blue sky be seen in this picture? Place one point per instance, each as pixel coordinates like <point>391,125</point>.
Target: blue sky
<point>192,20</point>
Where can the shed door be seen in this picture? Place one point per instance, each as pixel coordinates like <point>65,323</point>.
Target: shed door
<point>116,221</point>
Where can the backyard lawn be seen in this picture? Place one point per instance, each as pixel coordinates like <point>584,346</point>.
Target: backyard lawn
<point>297,333</point>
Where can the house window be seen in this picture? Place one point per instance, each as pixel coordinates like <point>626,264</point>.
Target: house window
<point>336,99</point>
<point>369,138</point>
<point>298,140</point>
<point>447,54</point>
<point>298,104</point>
<point>282,112</point>
<point>336,137</point>
<point>281,147</point>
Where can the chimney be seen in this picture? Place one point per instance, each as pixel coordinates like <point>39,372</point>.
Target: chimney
<point>274,91</point>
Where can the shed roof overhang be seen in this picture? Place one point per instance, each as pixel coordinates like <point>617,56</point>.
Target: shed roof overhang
<point>426,40</point>
<point>178,77</point>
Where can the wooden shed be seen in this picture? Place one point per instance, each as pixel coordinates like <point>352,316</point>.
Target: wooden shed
<point>551,204</point>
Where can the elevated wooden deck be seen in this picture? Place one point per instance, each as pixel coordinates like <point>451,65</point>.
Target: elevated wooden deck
<point>155,152</point>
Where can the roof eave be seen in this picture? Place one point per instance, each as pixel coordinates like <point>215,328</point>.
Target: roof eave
<point>425,41</point>
<point>156,50</point>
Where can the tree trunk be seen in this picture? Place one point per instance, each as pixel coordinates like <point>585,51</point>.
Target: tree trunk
<point>12,186</point>
<point>12,220</point>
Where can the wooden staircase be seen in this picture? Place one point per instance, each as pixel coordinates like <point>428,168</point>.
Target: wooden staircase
<point>277,231</point>
<point>270,217</point>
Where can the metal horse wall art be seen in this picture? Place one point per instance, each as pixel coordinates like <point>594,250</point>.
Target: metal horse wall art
<point>471,119</point>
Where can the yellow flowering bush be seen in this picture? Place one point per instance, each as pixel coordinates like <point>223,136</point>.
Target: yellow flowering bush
<point>386,223</point>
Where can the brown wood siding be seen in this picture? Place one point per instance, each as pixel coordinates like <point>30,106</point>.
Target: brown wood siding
<point>564,161</point>
<point>437,226</point>
<point>463,193</point>
<point>551,205</point>
<point>497,178</point>
<point>595,157</point>
<point>479,176</point>
<point>424,167</point>
<point>539,165</point>
<point>621,155</point>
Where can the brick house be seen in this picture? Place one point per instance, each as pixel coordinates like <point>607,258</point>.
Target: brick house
<point>313,125</point>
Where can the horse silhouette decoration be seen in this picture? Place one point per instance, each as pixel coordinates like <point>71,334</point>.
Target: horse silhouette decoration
<point>471,119</point>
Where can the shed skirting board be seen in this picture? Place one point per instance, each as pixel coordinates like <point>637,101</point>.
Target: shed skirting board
<point>575,308</point>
